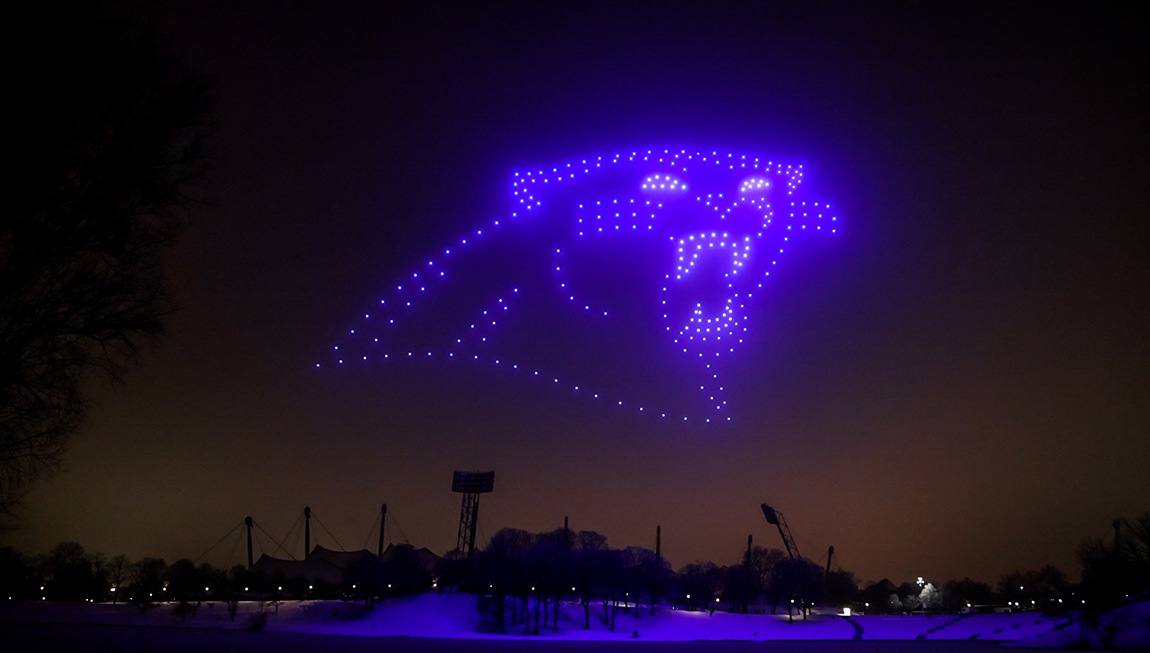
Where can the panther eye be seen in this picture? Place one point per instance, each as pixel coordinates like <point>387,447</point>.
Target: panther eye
<point>663,183</point>
<point>754,187</point>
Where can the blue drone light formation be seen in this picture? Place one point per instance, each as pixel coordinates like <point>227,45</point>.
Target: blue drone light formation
<point>723,221</point>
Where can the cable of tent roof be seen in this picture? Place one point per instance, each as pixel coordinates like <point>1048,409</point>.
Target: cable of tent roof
<point>391,516</point>
<point>232,553</point>
<point>256,538</point>
<point>371,531</point>
<point>279,545</point>
<point>201,557</point>
<point>298,534</point>
<point>321,524</point>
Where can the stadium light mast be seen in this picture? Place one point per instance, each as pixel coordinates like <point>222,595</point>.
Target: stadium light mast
<point>776,518</point>
<point>470,485</point>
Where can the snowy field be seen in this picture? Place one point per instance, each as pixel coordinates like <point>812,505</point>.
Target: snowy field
<point>98,639</point>
<point>40,638</point>
<point>434,622</point>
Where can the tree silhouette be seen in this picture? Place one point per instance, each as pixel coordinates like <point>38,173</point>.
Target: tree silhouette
<point>119,567</point>
<point>700,582</point>
<point>68,575</point>
<point>503,565</point>
<point>1113,570</point>
<point>840,588</point>
<point>148,582</point>
<point>18,578</point>
<point>110,131</point>
<point>589,551</point>
<point>798,582</point>
<point>761,564</point>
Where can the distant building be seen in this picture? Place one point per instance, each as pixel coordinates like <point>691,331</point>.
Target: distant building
<point>402,570</point>
<point>877,597</point>
<point>323,566</point>
<point>423,558</point>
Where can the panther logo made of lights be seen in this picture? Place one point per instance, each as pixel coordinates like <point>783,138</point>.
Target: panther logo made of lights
<point>724,219</point>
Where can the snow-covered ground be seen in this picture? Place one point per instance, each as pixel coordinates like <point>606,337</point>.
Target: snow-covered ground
<point>445,615</point>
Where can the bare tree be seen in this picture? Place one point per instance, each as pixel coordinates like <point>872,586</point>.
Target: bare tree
<point>110,133</point>
<point>797,581</point>
<point>761,564</point>
<point>1115,569</point>
<point>119,568</point>
<point>589,548</point>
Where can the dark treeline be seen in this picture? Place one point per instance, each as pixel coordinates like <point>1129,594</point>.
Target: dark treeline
<point>68,573</point>
<point>522,578</point>
<point>527,575</point>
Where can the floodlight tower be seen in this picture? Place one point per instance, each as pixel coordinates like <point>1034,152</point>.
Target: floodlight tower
<point>470,485</point>
<point>776,518</point>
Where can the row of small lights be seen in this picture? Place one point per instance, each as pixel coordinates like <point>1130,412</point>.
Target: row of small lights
<point>614,220</point>
<point>559,272</point>
<point>475,330</point>
<point>521,185</point>
<point>491,586</point>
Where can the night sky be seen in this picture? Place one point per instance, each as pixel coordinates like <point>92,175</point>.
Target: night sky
<point>956,384</point>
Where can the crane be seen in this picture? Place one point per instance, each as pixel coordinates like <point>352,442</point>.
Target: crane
<point>775,517</point>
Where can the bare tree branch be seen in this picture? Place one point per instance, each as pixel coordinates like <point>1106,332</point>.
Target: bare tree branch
<point>113,131</point>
